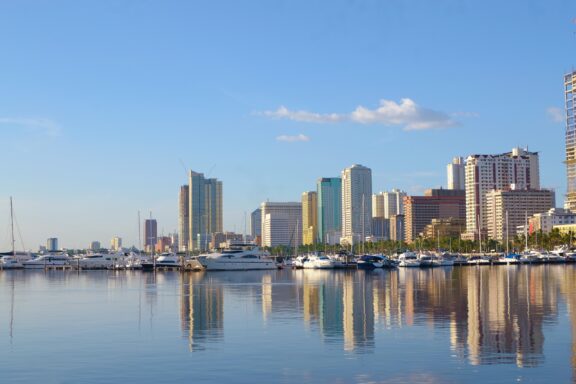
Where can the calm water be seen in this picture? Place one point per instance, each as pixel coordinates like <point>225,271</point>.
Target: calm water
<point>490,324</point>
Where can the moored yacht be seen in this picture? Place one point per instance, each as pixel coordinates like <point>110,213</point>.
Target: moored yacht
<point>165,260</point>
<point>239,257</point>
<point>47,260</point>
<point>319,262</point>
<point>99,261</point>
<point>408,259</point>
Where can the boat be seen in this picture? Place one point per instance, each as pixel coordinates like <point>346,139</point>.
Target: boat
<point>163,261</point>
<point>48,260</point>
<point>509,259</point>
<point>408,260</point>
<point>319,261</point>
<point>13,259</point>
<point>238,257</point>
<point>479,260</point>
<point>100,261</point>
<point>374,261</point>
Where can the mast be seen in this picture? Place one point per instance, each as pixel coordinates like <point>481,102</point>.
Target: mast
<point>526,230</point>
<point>507,241</point>
<point>363,224</point>
<point>12,227</point>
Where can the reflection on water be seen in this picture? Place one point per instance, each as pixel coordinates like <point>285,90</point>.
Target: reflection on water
<point>480,315</point>
<point>495,315</point>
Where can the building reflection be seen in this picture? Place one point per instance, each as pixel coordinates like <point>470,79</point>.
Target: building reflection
<point>201,309</point>
<point>490,315</point>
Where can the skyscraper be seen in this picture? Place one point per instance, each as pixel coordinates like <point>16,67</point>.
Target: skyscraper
<point>329,190</point>
<point>256,223</point>
<point>150,234</point>
<point>570,98</point>
<point>205,209</point>
<point>356,203</point>
<point>116,243</point>
<point>309,217</point>
<point>518,169</point>
<point>183,218</point>
<point>455,174</point>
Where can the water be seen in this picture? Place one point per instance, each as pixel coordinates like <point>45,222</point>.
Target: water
<point>471,324</point>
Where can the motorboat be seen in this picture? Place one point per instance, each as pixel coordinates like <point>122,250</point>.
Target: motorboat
<point>426,260</point>
<point>99,261</point>
<point>47,260</point>
<point>163,261</point>
<point>408,260</point>
<point>479,260</point>
<point>374,261</point>
<point>319,261</point>
<point>239,257</point>
<point>509,259</point>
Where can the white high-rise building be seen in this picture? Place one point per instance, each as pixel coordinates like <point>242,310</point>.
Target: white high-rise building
<point>205,214</point>
<point>455,174</point>
<point>281,224</point>
<point>518,169</point>
<point>388,204</point>
<point>356,203</point>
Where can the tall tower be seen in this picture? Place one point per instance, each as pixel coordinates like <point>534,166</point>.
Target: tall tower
<point>329,190</point>
<point>356,203</point>
<point>150,234</point>
<point>205,209</point>
<point>455,174</point>
<point>309,217</point>
<point>570,98</point>
<point>183,218</point>
<point>388,204</point>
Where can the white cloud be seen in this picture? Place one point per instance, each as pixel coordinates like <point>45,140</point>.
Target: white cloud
<point>40,125</point>
<point>406,113</point>
<point>557,115</point>
<point>293,139</point>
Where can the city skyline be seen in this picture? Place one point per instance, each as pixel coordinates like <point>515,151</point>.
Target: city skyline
<point>106,107</point>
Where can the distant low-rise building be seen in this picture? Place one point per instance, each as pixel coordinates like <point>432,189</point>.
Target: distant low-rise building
<point>451,227</point>
<point>546,221</point>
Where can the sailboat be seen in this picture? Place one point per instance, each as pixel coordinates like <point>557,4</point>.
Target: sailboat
<point>13,259</point>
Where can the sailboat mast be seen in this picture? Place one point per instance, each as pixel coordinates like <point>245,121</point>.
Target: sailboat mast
<point>507,241</point>
<point>12,226</point>
<point>526,229</point>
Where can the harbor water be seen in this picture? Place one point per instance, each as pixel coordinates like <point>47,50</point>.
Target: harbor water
<point>497,324</point>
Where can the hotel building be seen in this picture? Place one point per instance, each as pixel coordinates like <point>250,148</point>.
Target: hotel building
<point>281,224</point>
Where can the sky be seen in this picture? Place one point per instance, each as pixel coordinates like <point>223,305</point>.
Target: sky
<point>105,104</point>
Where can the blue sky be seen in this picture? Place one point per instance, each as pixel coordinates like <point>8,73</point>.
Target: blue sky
<point>105,103</point>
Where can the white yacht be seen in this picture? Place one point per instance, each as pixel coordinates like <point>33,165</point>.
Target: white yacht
<point>239,257</point>
<point>408,259</point>
<point>47,260</point>
<point>99,261</point>
<point>319,262</point>
<point>165,260</point>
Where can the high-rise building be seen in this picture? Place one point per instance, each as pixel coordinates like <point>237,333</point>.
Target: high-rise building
<point>518,169</point>
<point>387,204</point>
<point>116,243</point>
<point>545,221</point>
<point>329,190</point>
<point>356,204</point>
<point>397,228</point>
<point>507,210</point>
<point>381,228</point>
<point>435,204</point>
<point>281,224</point>
<point>183,218</point>
<point>570,99</point>
<point>256,223</point>
<point>309,217</point>
<point>205,209</point>
<point>455,174</point>
<point>150,234</point>
<point>95,246</point>
<point>52,244</point>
